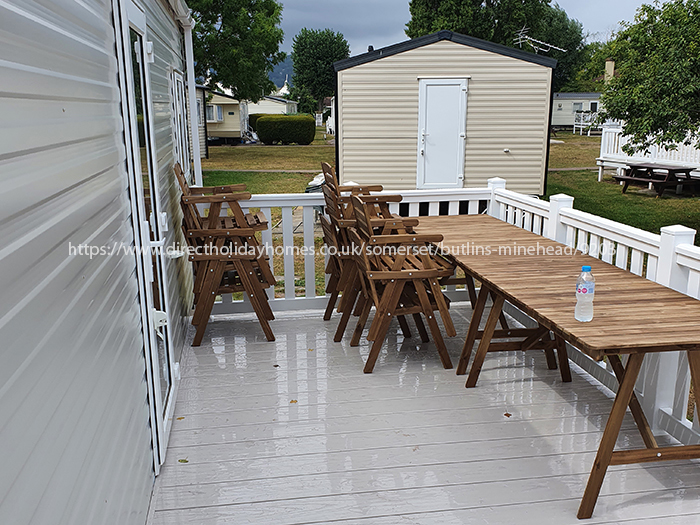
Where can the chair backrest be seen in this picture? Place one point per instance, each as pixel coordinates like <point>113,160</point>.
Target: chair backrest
<point>362,224</point>
<point>329,176</point>
<point>330,237</point>
<point>180,176</point>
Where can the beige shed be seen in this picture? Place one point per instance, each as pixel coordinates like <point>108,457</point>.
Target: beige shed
<point>444,111</point>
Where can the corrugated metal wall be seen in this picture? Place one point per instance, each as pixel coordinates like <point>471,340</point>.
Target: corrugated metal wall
<point>507,108</point>
<point>74,416</point>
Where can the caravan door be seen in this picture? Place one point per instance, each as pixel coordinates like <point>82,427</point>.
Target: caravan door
<point>442,122</point>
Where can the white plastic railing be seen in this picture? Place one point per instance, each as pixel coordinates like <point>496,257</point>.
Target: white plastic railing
<point>292,237</point>
<point>613,140</point>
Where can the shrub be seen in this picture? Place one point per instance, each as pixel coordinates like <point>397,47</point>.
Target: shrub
<point>286,129</point>
<point>253,119</point>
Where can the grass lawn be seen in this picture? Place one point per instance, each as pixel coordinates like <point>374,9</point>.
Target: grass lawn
<point>321,137</point>
<point>262,157</point>
<point>638,207</point>
<point>260,182</point>
<point>577,151</point>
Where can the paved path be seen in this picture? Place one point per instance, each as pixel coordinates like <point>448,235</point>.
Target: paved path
<point>573,169</point>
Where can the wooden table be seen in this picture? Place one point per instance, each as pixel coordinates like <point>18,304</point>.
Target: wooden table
<point>660,176</point>
<point>633,316</point>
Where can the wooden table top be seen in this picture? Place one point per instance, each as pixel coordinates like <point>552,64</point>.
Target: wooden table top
<point>655,166</point>
<point>631,313</point>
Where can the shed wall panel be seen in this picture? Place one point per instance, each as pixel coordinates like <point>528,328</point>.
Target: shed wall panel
<point>507,108</point>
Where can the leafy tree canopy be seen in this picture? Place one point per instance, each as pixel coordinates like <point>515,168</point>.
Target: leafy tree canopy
<point>313,53</point>
<point>657,88</point>
<point>499,20</point>
<point>236,44</point>
<point>590,75</point>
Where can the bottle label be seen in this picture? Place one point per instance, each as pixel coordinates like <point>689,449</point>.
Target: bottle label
<point>585,288</point>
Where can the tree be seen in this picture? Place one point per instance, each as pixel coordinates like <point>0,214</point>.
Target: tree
<point>657,88</point>
<point>499,20</point>
<point>591,72</point>
<point>313,54</point>
<point>236,44</point>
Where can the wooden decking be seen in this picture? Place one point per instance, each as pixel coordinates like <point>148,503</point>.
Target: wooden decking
<point>292,432</point>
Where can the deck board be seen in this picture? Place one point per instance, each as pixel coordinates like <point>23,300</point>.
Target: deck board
<point>405,444</point>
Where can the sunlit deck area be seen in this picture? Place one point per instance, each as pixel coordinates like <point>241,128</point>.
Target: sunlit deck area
<point>292,432</point>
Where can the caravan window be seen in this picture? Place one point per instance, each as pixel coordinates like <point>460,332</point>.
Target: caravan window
<point>215,113</point>
<point>578,106</point>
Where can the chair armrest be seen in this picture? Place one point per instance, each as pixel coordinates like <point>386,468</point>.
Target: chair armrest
<point>220,197</point>
<point>405,239</point>
<point>231,188</point>
<point>218,257</point>
<point>368,199</point>
<point>361,189</point>
<point>401,274</point>
<point>221,232</point>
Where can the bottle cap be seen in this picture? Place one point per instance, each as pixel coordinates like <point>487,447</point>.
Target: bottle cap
<point>585,268</point>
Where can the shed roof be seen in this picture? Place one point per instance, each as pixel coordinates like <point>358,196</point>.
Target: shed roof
<point>437,37</point>
<point>576,95</point>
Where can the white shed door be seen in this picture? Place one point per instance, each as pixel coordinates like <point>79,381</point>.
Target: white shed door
<point>442,122</point>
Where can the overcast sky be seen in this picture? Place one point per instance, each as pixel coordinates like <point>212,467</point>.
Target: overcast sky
<point>382,22</point>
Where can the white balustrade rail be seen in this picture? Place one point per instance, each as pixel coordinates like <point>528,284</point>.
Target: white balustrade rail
<point>293,236</point>
<point>671,259</point>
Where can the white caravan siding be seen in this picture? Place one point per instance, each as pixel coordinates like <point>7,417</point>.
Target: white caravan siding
<point>563,110</point>
<point>507,108</point>
<point>272,107</point>
<point>230,127</point>
<point>74,415</point>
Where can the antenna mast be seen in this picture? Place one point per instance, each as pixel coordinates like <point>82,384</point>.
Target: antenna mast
<point>521,37</point>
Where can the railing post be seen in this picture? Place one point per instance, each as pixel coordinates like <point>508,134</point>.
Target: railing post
<point>668,272</point>
<point>555,229</point>
<point>495,184</point>
<point>662,375</point>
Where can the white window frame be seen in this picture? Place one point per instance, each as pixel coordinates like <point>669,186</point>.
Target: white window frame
<point>200,117</point>
<point>219,117</point>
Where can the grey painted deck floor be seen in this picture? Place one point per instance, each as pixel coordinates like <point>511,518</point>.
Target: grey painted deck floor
<point>293,432</point>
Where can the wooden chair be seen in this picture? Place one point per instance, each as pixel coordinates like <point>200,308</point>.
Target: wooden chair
<point>225,253</point>
<point>398,277</point>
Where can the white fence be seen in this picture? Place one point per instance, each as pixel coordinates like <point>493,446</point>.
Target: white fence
<point>586,121</point>
<point>670,259</point>
<point>612,155</point>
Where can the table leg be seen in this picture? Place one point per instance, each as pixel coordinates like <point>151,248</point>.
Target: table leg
<point>636,409</point>
<point>607,443</point>
<point>694,364</point>
<point>483,348</point>
<point>473,330</point>
<point>563,355</point>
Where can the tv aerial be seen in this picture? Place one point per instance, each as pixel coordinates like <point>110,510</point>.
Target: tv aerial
<point>521,37</point>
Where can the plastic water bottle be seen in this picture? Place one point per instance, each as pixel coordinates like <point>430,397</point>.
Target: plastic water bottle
<point>585,291</point>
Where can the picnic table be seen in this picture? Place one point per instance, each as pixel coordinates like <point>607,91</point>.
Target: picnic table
<point>633,317</point>
<point>660,176</point>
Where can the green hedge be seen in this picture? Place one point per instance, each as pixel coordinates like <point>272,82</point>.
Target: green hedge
<point>253,119</point>
<point>286,129</point>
